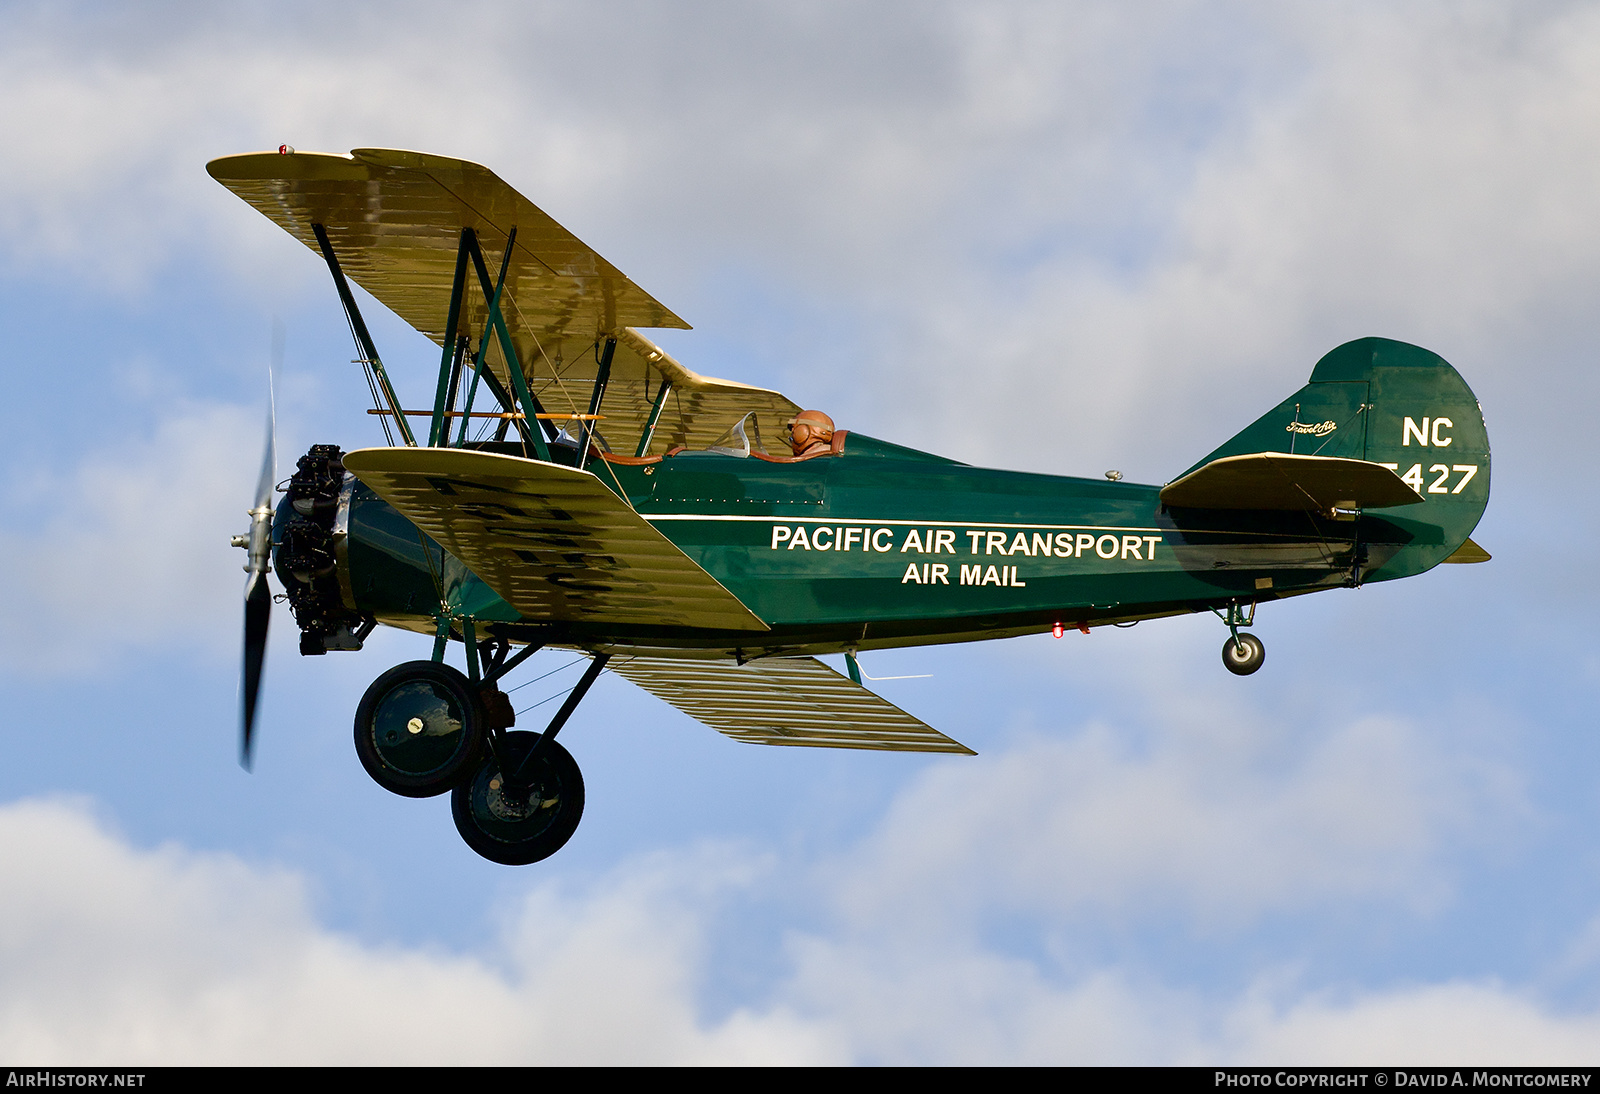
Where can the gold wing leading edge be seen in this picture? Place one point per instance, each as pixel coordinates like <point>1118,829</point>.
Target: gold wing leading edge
<point>394,219</point>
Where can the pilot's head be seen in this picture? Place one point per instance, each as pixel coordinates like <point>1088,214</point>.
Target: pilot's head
<point>808,430</point>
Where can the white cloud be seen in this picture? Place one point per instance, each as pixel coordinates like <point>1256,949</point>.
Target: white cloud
<point>1214,816</point>
<point>837,149</point>
<point>109,954</point>
<point>1082,221</point>
<point>115,954</point>
<point>947,1000</point>
<point>1054,236</point>
<point>1430,175</point>
<point>1455,1023</point>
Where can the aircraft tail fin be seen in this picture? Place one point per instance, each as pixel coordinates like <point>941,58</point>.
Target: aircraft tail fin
<point>1400,406</point>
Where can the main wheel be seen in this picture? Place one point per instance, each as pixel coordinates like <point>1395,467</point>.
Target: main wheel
<point>419,729</point>
<point>1243,655</point>
<point>516,825</point>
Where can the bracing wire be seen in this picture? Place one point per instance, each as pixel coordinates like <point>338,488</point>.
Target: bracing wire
<point>372,381</point>
<point>557,695</point>
<point>552,672</point>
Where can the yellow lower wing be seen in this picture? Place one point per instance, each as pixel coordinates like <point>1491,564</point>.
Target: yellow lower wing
<point>783,701</point>
<point>552,541</point>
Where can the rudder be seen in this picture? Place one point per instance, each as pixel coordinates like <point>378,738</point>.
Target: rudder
<point>1402,406</point>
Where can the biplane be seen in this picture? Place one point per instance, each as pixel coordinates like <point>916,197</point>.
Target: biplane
<point>573,485</point>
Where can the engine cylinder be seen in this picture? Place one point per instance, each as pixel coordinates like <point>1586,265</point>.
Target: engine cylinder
<point>308,557</point>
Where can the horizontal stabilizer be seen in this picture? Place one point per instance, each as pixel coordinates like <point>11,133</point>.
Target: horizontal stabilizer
<point>1469,552</point>
<point>552,541</point>
<point>1279,480</point>
<point>784,701</point>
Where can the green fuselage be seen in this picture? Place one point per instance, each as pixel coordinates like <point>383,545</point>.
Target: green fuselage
<point>884,546</point>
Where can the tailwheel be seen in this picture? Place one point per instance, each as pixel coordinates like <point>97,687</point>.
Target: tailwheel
<point>528,816</point>
<point>419,729</point>
<point>1243,654</point>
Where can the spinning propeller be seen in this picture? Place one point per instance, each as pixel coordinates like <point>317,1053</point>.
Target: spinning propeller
<point>257,592</point>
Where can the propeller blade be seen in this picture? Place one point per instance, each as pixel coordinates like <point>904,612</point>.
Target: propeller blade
<point>269,459</point>
<point>257,591</point>
<point>257,615</point>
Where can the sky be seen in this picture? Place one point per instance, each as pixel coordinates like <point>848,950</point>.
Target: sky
<point>1060,237</point>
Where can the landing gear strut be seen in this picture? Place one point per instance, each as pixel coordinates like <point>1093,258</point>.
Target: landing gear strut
<point>1242,654</point>
<point>424,728</point>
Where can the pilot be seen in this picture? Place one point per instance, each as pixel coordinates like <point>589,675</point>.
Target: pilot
<point>810,433</point>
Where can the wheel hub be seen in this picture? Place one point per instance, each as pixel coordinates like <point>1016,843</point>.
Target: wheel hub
<point>521,820</point>
<point>418,727</point>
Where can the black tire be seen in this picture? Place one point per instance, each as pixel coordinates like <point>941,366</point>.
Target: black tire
<point>420,729</point>
<point>530,825</point>
<point>1242,662</point>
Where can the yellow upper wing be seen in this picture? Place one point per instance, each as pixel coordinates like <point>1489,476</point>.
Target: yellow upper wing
<point>394,218</point>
